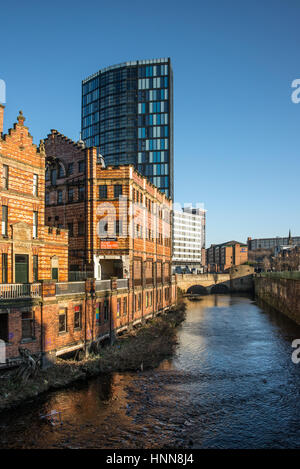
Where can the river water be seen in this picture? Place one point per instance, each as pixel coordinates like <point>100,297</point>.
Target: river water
<point>231,384</point>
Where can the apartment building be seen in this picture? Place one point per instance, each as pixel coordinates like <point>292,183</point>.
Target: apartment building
<point>220,257</point>
<point>189,239</point>
<point>127,112</point>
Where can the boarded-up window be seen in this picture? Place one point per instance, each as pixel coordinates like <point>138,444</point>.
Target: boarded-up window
<point>166,271</point>
<point>158,270</point>
<point>62,320</point>
<point>77,317</point>
<point>118,308</point>
<point>124,306</point>
<point>27,325</point>
<point>105,309</point>
<point>149,269</point>
<point>137,269</point>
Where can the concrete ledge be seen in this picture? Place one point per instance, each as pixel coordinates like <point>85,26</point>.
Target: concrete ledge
<point>69,349</point>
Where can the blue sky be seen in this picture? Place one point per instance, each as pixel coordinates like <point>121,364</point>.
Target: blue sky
<point>236,129</point>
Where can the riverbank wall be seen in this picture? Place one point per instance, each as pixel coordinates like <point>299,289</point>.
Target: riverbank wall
<point>280,292</point>
<point>139,349</point>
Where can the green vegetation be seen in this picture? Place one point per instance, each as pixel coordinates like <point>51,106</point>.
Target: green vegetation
<point>139,349</point>
<point>293,275</point>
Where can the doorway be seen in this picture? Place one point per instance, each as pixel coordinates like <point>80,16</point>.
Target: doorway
<point>21,268</point>
<point>4,327</point>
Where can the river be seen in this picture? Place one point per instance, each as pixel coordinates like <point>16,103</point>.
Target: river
<point>231,384</point>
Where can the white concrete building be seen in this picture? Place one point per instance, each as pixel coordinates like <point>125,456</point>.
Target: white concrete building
<point>189,239</point>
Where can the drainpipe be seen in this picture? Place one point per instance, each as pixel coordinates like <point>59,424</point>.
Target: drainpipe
<point>110,315</point>
<point>42,336</point>
<point>85,301</point>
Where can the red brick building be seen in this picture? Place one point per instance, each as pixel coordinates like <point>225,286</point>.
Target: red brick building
<point>30,251</point>
<point>44,312</point>
<point>221,257</point>
<point>85,197</point>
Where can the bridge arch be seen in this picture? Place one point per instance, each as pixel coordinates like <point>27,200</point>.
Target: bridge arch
<point>219,288</point>
<point>197,290</point>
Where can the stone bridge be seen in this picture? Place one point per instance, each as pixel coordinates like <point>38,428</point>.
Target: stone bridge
<point>238,279</point>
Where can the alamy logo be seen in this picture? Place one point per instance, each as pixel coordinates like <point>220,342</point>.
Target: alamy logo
<point>295,96</point>
<point>2,351</point>
<point>296,353</point>
<point>2,92</point>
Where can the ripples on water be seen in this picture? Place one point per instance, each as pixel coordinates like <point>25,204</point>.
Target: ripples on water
<point>232,384</point>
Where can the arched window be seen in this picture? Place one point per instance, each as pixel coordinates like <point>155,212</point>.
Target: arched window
<point>53,176</point>
<point>61,171</point>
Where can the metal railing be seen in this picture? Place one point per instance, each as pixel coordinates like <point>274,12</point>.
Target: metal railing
<point>76,276</point>
<point>10,291</point>
<point>122,283</point>
<point>103,285</point>
<point>67,288</point>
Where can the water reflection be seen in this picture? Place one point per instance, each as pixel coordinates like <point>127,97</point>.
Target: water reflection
<point>232,384</point>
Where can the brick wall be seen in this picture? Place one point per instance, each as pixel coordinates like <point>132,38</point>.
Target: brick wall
<point>124,308</point>
<point>21,164</point>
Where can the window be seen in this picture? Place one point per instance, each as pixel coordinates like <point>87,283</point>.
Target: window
<point>47,177</point>
<point>27,325</point>
<point>54,273</point>
<point>35,184</point>
<point>70,168</point>
<point>5,176</point>
<point>59,197</point>
<point>117,190</point>
<point>81,228</point>
<point>35,264</point>
<point>139,301</point>
<point>81,192</point>
<point>77,317</point>
<point>119,227</point>
<point>124,306</point>
<point>35,224</point>
<point>4,219</point>
<point>81,166</point>
<point>70,228</point>
<point>118,308</point>
<point>105,309</point>
<point>4,268</point>
<point>53,177</point>
<point>62,320</point>
<point>70,194</point>
<point>61,172</point>
<point>98,318</point>
<point>47,198</point>
<point>102,192</point>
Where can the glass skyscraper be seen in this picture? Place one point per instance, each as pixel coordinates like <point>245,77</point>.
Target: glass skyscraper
<point>127,111</point>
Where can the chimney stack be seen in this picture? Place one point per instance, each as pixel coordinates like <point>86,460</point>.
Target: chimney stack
<point>1,117</point>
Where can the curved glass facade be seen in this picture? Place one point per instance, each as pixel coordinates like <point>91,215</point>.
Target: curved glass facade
<point>127,111</point>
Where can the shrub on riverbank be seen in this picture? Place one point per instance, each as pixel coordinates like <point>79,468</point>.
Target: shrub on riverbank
<point>139,349</point>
